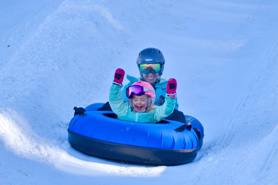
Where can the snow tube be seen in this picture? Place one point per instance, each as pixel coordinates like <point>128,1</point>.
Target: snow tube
<point>101,134</point>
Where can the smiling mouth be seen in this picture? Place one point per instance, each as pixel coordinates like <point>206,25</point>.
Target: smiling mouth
<point>138,107</point>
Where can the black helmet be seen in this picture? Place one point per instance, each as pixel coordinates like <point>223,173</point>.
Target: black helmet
<point>151,56</point>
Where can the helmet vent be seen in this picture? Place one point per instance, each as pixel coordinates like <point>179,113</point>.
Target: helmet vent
<point>149,59</point>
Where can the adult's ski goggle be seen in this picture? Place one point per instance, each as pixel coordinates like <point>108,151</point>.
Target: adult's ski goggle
<point>149,68</point>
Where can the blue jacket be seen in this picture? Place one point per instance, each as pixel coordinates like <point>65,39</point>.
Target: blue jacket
<point>124,111</point>
<point>160,90</point>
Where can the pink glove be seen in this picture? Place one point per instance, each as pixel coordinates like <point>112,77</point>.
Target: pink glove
<point>119,76</point>
<point>171,86</point>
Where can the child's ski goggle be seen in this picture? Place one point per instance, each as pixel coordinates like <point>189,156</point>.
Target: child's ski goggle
<point>149,68</point>
<point>135,89</point>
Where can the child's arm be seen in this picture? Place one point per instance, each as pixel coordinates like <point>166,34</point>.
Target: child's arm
<point>168,107</point>
<point>116,102</point>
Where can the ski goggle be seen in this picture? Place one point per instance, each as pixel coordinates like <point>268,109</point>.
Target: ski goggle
<point>149,68</point>
<point>135,89</point>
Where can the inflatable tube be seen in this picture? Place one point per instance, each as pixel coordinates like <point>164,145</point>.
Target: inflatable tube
<point>100,134</point>
<point>196,124</point>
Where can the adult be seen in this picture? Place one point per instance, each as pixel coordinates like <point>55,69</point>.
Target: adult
<point>150,63</point>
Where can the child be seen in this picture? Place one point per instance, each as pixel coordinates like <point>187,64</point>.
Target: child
<point>141,97</point>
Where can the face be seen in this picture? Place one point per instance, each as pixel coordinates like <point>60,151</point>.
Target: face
<point>150,77</point>
<point>139,103</point>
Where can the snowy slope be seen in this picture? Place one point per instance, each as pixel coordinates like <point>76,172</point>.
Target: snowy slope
<point>60,54</point>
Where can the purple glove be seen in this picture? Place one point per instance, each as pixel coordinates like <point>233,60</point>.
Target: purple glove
<point>119,76</point>
<point>171,86</point>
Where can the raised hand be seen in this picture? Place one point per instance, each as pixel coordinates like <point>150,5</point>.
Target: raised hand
<point>119,76</point>
<point>171,86</point>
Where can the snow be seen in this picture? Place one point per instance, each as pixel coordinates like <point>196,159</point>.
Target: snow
<point>63,53</point>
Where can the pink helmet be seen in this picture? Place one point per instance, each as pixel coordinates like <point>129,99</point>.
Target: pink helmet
<point>140,88</point>
<point>148,88</point>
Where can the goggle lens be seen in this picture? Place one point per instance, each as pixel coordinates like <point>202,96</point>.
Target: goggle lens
<point>149,68</point>
<point>135,89</point>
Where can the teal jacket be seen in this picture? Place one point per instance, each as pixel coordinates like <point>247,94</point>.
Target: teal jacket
<point>124,111</point>
<point>160,90</point>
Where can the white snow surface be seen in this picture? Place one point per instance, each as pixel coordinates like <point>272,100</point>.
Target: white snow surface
<point>58,54</point>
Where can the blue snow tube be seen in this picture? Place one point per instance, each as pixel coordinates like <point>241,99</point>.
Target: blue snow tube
<point>101,134</point>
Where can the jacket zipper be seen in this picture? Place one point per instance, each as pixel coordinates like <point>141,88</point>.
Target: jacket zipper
<point>136,117</point>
